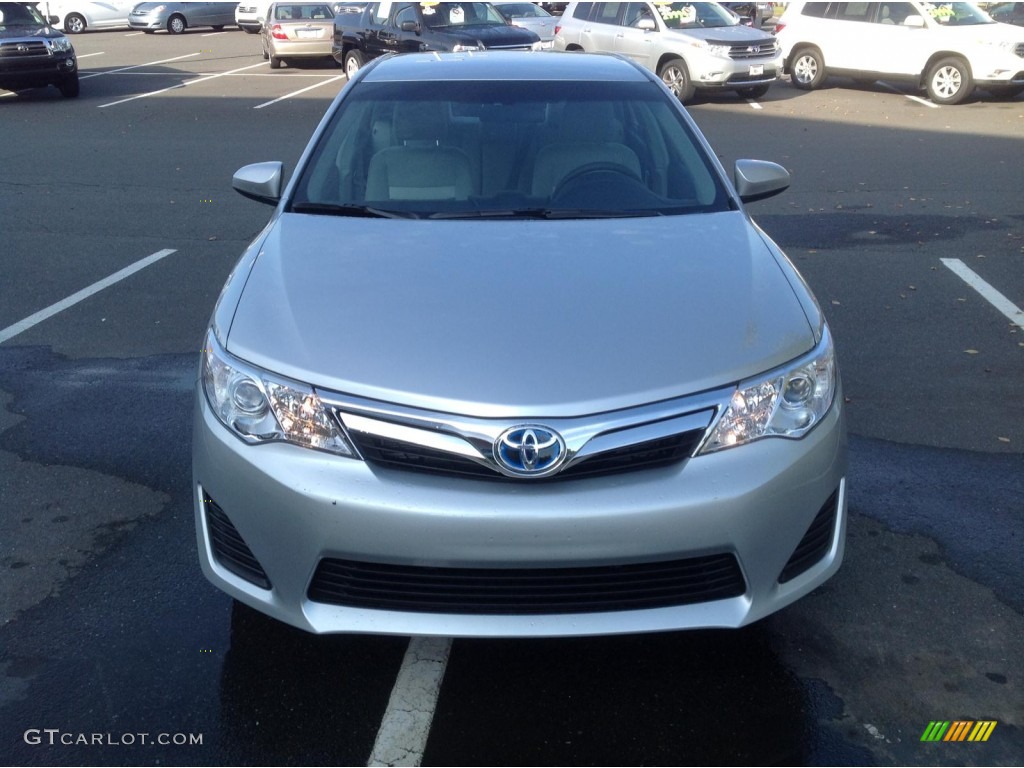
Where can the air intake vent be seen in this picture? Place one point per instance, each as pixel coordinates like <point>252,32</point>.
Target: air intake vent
<point>815,543</point>
<point>230,549</point>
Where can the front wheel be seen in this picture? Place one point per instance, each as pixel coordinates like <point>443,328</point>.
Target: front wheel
<point>676,76</point>
<point>69,88</point>
<point>808,68</point>
<point>353,61</point>
<point>754,91</point>
<point>176,24</point>
<point>949,81</point>
<point>74,23</point>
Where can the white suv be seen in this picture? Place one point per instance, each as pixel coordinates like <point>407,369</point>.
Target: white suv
<point>947,48</point>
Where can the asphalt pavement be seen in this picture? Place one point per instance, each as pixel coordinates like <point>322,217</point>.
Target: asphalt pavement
<point>108,628</point>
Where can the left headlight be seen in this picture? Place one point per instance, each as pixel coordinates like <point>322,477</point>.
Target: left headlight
<point>259,407</point>
<point>784,403</point>
<point>60,44</point>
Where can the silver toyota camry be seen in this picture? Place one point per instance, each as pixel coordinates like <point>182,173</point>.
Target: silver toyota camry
<point>511,359</point>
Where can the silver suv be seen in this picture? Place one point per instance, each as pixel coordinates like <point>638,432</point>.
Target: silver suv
<point>946,48</point>
<point>691,46</point>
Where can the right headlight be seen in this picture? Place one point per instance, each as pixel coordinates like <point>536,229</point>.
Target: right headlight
<point>259,407</point>
<point>785,403</point>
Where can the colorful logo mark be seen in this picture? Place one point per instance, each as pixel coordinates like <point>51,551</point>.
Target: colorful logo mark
<point>959,730</point>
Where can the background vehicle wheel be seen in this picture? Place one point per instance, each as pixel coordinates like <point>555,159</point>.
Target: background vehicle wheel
<point>74,23</point>
<point>674,74</point>
<point>218,28</point>
<point>353,61</point>
<point>176,24</point>
<point>949,81</point>
<point>69,88</point>
<point>265,54</point>
<point>808,68</point>
<point>754,91</point>
<point>275,62</point>
<point>250,30</point>
<point>1004,91</point>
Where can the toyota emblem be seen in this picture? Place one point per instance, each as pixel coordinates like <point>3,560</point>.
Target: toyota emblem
<point>529,450</point>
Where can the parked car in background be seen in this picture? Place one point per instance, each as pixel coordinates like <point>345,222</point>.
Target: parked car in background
<point>77,16</point>
<point>249,15</point>
<point>510,358</point>
<point>177,17</point>
<point>382,28</point>
<point>298,31</point>
<point>1008,13</point>
<point>753,14</point>
<point>530,16</point>
<point>948,49</point>
<point>33,53</point>
<point>691,46</point>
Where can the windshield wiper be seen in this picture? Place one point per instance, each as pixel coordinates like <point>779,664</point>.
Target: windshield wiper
<point>544,213</point>
<point>349,209</point>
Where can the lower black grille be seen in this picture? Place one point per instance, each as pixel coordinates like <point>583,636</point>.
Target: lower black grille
<point>647,455</point>
<point>230,549</point>
<point>815,543</point>
<point>529,591</point>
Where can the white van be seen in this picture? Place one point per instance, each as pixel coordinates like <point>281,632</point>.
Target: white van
<point>77,16</point>
<point>946,48</point>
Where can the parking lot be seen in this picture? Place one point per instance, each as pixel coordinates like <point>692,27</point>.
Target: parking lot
<point>119,227</point>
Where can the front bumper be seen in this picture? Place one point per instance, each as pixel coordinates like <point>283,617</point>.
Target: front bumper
<point>717,73</point>
<point>146,22</point>
<point>37,71</point>
<point>292,507</point>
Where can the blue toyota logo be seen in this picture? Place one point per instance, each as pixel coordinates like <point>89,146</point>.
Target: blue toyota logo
<point>529,451</point>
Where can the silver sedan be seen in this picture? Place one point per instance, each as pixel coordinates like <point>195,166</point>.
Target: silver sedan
<point>511,359</point>
<point>177,17</point>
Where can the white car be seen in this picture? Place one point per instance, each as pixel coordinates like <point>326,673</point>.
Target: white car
<point>946,48</point>
<point>77,16</point>
<point>250,15</point>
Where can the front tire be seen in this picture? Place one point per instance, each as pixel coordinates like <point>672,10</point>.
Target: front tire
<point>676,76</point>
<point>74,23</point>
<point>949,81</point>
<point>69,88</point>
<point>176,24</point>
<point>354,60</point>
<point>808,68</point>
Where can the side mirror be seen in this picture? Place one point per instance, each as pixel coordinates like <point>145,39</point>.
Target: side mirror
<point>260,182</point>
<point>759,179</point>
<point>54,20</point>
<point>410,26</point>
<point>914,21</point>
<point>646,24</point>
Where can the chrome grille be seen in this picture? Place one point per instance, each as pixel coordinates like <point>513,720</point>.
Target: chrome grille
<point>766,49</point>
<point>516,47</point>
<point>26,48</point>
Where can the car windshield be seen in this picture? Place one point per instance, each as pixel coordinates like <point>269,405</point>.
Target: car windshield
<point>443,15</point>
<point>18,15</point>
<point>695,15</point>
<point>306,12</point>
<point>957,14</point>
<point>530,149</point>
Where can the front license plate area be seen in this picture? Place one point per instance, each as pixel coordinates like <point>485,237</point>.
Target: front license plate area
<point>756,69</point>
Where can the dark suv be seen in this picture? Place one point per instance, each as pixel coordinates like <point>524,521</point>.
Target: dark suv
<point>34,54</point>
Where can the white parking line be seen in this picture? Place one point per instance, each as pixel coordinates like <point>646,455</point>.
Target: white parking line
<point>990,294</point>
<point>403,731</point>
<point>23,325</point>
<point>296,93</point>
<point>754,105</point>
<point>179,85</point>
<point>87,55</point>
<point>134,34</point>
<point>918,99</point>
<point>211,34</point>
<point>138,66</point>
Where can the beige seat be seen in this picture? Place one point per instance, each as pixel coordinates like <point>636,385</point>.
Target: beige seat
<point>420,166</point>
<point>589,133</point>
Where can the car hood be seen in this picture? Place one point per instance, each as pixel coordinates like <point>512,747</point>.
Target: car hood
<point>491,35</point>
<point>725,35</point>
<point>33,31</point>
<point>518,318</point>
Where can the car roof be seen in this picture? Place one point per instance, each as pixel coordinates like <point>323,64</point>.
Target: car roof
<point>505,65</point>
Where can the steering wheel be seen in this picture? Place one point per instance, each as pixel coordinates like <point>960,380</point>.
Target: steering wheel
<point>594,168</point>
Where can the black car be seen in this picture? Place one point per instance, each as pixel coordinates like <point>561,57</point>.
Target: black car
<point>34,54</point>
<point>413,27</point>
